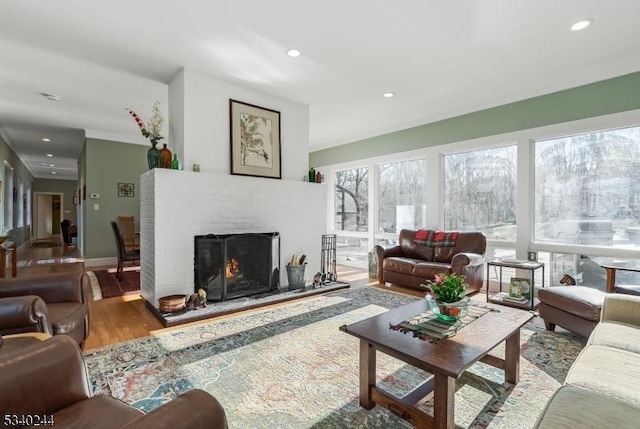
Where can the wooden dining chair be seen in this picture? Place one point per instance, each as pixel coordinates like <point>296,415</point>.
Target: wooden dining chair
<point>125,224</point>
<point>124,255</point>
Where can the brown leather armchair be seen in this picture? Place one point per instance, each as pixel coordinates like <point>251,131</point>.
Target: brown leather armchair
<point>411,264</point>
<point>19,314</point>
<point>65,296</point>
<point>49,381</point>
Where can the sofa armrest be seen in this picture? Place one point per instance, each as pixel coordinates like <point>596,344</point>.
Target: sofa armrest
<point>381,252</point>
<point>462,260</point>
<point>621,308</point>
<point>385,251</point>
<point>44,377</point>
<point>59,287</point>
<point>195,409</point>
<point>19,314</point>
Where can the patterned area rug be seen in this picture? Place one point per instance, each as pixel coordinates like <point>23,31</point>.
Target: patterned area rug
<point>105,285</point>
<point>291,367</point>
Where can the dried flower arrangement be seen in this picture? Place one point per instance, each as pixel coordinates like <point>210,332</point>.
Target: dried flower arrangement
<point>154,127</point>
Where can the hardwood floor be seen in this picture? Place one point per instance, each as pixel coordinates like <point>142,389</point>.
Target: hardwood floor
<point>114,320</point>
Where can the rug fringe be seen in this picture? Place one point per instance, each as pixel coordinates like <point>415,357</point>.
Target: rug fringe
<point>95,286</point>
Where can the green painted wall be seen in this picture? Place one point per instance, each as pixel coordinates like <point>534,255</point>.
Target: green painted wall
<point>67,187</point>
<point>601,98</point>
<point>105,164</point>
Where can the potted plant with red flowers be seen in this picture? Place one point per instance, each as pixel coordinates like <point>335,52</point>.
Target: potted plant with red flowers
<point>448,290</point>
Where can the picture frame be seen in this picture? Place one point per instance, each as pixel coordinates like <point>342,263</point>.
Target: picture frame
<point>255,140</point>
<point>126,190</point>
<point>520,288</point>
<point>532,256</point>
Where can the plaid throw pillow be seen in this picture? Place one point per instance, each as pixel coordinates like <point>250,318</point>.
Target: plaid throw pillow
<point>433,238</point>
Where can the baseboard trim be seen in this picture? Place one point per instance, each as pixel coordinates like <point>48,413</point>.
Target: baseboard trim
<point>100,262</point>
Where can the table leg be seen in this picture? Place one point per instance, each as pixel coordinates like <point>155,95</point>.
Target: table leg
<point>611,279</point>
<point>367,373</point>
<point>443,402</point>
<point>3,263</point>
<point>14,261</point>
<point>512,358</point>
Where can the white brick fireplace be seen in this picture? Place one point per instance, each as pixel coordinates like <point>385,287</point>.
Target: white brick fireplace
<point>175,206</point>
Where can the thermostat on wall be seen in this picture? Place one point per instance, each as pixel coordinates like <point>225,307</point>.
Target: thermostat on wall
<point>94,195</point>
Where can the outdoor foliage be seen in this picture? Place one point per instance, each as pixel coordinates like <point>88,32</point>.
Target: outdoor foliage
<point>352,204</point>
<point>593,176</point>
<point>402,195</point>
<point>480,191</point>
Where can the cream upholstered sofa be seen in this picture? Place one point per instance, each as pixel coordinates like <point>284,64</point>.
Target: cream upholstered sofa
<point>601,388</point>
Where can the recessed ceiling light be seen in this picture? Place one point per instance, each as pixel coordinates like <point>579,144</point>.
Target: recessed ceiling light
<point>52,97</point>
<point>46,140</point>
<point>53,172</point>
<point>388,94</point>
<point>45,164</point>
<point>293,53</point>
<point>581,25</point>
<point>51,165</point>
<point>49,155</point>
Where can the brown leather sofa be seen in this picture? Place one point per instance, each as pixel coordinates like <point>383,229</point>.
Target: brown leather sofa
<point>49,381</point>
<point>66,310</point>
<point>411,264</point>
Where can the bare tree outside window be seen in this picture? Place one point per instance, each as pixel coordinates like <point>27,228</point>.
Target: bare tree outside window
<point>352,205</point>
<point>480,192</point>
<point>401,196</point>
<point>587,189</point>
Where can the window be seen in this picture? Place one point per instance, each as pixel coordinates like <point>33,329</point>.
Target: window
<point>480,192</point>
<point>587,189</point>
<point>8,197</point>
<point>352,204</point>
<point>401,196</point>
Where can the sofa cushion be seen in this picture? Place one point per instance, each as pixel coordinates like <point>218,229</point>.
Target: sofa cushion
<point>580,301</point>
<point>406,240</point>
<point>608,371</point>
<point>96,413</point>
<point>428,270</point>
<point>617,335</point>
<point>399,265</point>
<point>573,407</point>
<point>444,254</point>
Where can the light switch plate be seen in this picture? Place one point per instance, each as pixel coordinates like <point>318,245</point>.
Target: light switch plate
<point>96,206</point>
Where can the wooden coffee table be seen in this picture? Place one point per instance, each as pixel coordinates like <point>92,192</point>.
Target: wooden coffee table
<point>446,359</point>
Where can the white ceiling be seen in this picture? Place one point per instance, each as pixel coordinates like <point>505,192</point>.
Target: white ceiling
<point>442,59</point>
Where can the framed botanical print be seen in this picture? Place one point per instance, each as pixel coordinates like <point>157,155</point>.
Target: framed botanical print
<point>255,140</point>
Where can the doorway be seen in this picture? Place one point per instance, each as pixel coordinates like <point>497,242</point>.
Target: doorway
<point>48,209</point>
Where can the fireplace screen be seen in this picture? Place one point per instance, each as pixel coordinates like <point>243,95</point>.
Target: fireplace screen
<point>236,265</point>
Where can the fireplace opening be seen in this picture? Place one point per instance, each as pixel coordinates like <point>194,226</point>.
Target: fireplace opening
<point>237,265</point>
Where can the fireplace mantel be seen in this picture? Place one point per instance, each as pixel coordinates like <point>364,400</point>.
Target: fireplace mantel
<point>177,205</point>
